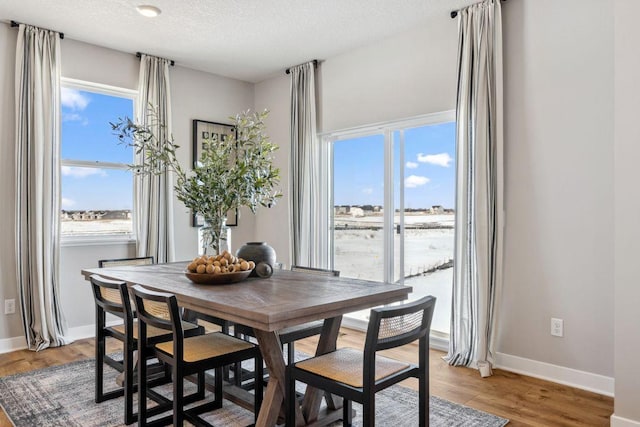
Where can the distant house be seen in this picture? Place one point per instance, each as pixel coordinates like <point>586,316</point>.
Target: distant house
<point>357,212</point>
<point>436,209</point>
<point>341,210</point>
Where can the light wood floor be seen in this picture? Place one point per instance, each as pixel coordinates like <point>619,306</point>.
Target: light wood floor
<point>524,400</point>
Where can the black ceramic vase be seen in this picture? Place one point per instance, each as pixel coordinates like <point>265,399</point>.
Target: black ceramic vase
<point>257,252</point>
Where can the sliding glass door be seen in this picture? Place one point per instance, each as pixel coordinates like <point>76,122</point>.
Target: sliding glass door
<point>358,195</point>
<point>393,206</point>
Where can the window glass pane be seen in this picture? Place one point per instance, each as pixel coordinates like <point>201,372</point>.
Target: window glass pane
<point>358,194</point>
<point>429,198</point>
<point>86,132</point>
<point>96,201</point>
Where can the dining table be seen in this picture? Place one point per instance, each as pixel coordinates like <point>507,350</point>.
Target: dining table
<point>285,299</point>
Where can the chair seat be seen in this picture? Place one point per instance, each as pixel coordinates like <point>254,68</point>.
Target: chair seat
<point>207,346</point>
<point>152,331</point>
<point>345,365</point>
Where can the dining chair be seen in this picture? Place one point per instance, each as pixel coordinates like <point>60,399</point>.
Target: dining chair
<point>147,260</point>
<point>113,297</point>
<point>186,356</point>
<point>358,375</point>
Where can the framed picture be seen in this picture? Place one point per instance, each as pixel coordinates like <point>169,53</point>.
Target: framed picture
<point>204,131</point>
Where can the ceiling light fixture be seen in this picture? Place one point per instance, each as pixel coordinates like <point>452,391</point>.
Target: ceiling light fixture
<point>148,10</point>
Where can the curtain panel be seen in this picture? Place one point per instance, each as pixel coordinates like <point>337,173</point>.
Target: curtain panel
<point>309,197</point>
<point>37,162</point>
<point>153,194</point>
<point>479,214</point>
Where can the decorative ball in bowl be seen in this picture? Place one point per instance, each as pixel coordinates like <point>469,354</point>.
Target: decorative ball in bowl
<point>218,269</point>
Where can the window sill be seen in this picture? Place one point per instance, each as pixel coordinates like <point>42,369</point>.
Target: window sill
<point>97,240</point>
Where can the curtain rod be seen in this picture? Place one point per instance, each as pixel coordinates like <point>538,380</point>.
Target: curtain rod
<point>315,64</point>
<point>454,13</point>
<point>139,55</point>
<point>16,24</point>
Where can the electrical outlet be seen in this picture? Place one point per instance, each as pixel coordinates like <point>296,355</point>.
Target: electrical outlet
<point>557,327</point>
<point>9,306</point>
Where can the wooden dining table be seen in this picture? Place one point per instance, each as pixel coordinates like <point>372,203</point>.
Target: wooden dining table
<point>287,298</point>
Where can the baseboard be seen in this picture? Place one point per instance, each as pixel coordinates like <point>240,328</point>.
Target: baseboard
<point>353,323</point>
<point>86,331</point>
<point>7,345</point>
<point>617,421</point>
<point>558,374</point>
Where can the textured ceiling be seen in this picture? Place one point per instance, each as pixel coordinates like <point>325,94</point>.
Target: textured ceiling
<point>245,39</point>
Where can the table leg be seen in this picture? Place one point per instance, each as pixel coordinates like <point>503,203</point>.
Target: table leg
<point>273,399</point>
<point>328,341</point>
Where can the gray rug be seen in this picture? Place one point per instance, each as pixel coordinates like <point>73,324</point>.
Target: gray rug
<point>63,396</point>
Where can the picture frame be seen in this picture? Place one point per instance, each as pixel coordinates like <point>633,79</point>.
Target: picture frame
<point>202,131</point>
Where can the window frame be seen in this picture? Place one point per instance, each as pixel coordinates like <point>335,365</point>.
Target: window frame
<point>99,239</point>
<point>387,129</point>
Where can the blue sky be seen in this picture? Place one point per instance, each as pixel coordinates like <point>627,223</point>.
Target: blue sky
<point>429,168</point>
<point>87,135</point>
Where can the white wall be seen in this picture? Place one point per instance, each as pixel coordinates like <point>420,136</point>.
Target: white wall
<point>559,162</point>
<point>403,76</point>
<point>559,183</point>
<point>272,225</point>
<point>10,326</point>
<point>627,206</point>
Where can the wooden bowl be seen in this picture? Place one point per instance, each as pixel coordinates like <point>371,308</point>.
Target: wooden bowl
<point>217,279</point>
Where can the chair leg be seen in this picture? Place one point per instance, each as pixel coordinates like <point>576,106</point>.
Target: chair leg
<point>258,389</point>
<point>178,390</point>
<point>129,364</point>
<point>218,387</point>
<point>201,385</point>
<point>423,398</point>
<point>142,389</point>
<point>369,411</point>
<point>346,413</point>
<point>290,397</point>
<point>100,351</point>
<point>291,352</point>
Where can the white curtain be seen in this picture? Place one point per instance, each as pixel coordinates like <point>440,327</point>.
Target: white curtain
<point>309,197</point>
<point>37,186</point>
<point>479,186</point>
<point>153,195</point>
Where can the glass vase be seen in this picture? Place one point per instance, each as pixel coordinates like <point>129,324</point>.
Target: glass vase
<point>214,236</point>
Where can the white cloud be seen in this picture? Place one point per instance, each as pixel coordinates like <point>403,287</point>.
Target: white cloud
<point>73,99</point>
<point>80,172</point>
<point>367,190</point>
<point>71,117</point>
<point>442,159</point>
<point>413,181</point>
<point>411,165</point>
<point>67,203</point>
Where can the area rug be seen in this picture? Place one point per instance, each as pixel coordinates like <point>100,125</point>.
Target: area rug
<point>63,396</point>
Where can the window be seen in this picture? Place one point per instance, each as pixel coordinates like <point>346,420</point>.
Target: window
<point>393,206</point>
<point>96,185</point>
